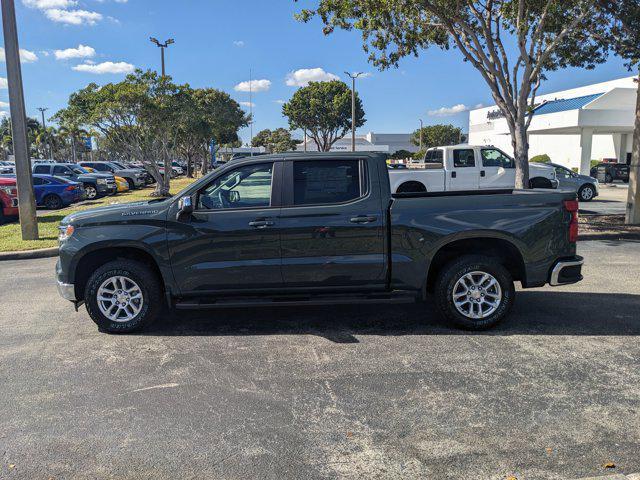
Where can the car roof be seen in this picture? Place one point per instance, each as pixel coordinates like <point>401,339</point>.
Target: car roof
<point>310,156</point>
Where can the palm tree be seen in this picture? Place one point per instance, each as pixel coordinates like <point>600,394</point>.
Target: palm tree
<point>73,134</point>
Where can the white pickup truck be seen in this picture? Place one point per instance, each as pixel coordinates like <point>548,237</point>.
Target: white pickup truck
<point>467,167</point>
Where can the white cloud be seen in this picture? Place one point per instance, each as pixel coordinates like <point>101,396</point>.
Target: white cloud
<point>47,4</point>
<point>302,77</point>
<point>4,104</point>
<point>256,86</point>
<point>26,56</point>
<point>3,83</point>
<point>280,101</point>
<point>238,43</point>
<point>4,114</point>
<point>82,51</point>
<point>73,17</point>
<point>105,67</point>
<point>448,111</point>
<point>247,104</point>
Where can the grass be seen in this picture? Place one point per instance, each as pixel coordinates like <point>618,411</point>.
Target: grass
<point>10,235</point>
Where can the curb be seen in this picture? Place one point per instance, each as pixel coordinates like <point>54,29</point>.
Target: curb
<point>615,476</point>
<point>29,254</point>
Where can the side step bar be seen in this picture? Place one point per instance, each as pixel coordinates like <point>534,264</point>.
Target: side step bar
<point>296,300</point>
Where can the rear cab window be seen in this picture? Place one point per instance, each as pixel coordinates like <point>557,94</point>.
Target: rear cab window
<point>322,182</point>
<point>42,169</point>
<point>463,158</point>
<point>434,156</point>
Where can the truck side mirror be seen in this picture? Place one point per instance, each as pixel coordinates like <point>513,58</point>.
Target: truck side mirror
<point>185,208</point>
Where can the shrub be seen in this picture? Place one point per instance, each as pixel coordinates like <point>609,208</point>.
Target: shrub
<point>544,158</point>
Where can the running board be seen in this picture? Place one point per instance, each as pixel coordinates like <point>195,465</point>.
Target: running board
<point>296,300</point>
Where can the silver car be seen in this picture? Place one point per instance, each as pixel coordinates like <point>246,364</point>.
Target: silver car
<point>585,186</point>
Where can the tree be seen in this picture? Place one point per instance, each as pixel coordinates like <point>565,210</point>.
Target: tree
<point>437,135</point>
<point>324,110</point>
<point>276,141</point>
<point>512,43</point>
<point>625,41</point>
<point>401,154</point>
<point>209,114</point>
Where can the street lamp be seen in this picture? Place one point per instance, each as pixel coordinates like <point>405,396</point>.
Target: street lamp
<point>44,128</point>
<point>162,47</point>
<point>353,77</point>
<point>420,135</point>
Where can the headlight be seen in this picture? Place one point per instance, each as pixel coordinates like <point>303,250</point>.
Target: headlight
<point>102,181</point>
<point>64,232</point>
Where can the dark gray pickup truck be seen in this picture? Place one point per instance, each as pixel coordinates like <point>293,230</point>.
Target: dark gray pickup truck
<point>295,229</point>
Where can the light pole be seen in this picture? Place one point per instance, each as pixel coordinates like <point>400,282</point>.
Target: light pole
<point>420,135</point>
<point>162,47</point>
<point>353,77</point>
<point>44,128</point>
<point>26,200</point>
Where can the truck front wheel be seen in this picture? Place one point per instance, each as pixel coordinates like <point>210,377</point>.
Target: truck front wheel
<point>474,292</point>
<point>123,296</point>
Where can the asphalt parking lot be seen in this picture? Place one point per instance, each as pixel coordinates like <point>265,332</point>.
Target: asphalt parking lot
<point>611,201</point>
<point>340,392</point>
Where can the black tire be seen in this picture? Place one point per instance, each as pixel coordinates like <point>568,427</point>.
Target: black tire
<point>52,202</point>
<point>586,193</point>
<point>150,288</point>
<point>90,191</point>
<point>131,183</point>
<point>411,187</point>
<point>540,183</point>
<point>454,271</point>
<point>608,178</point>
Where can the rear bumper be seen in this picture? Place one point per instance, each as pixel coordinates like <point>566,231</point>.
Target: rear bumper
<point>566,271</point>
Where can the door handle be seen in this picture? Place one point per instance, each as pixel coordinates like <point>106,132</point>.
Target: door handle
<point>453,174</point>
<point>482,174</point>
<point>260,223</point>
<point>363,219</point>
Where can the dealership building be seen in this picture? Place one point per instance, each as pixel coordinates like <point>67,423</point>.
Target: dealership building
<point>371,142</point>
<point>573,127</point>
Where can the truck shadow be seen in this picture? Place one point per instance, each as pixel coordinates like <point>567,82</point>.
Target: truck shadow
<point>535,313</point>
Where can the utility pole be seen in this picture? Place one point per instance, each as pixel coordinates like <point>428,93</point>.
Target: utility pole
<point>420,136</point>
<point>353,77</point>
<point>162,46</point>
<point>305,140</point>
<point>250,113</point>
<point>26,200</point>
<point>44,128</point>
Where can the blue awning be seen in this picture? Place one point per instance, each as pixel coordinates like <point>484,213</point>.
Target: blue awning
<point>564,105</point>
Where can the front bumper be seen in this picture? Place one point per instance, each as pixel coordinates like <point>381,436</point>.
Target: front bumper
<point>67,290</point>
<point>566,271</point>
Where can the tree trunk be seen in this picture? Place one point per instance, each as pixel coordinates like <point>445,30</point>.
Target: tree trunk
<point>205,161</point>
<point>521,156</point>
<point>189,165</point>
<point>632,216</point>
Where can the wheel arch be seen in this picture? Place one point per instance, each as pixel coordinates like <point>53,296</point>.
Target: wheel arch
<point>96,257</point>
<point>510,255</point>
<point>411,186</point>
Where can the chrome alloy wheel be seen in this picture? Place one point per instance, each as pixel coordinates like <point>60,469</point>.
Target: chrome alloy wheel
<point>477,295</point>
<point>120,299</point>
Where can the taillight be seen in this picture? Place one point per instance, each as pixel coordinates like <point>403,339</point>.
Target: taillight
<point>571,206</point>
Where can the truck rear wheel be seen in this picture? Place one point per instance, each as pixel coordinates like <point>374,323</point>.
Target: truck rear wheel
<point>474,292</point>
<point>123,296</point>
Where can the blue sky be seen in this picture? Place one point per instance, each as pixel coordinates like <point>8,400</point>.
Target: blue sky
<point>218,41</point>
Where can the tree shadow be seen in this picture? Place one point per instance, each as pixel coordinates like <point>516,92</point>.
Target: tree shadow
<point>535,312</point>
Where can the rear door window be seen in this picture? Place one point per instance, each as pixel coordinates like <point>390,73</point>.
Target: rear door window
<point>464,158</point>
<point>326,181</point>
<point>44,169</point>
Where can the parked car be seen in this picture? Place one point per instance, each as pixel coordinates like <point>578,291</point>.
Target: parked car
<point>608,172</point>
<point>7,168</point>
<point>122,184</point>
<point>301,229</point>
<point>56,192</point>
<point>467,167</point>
<point>95,185</point>
<point>585,186</point>
<point>135,177</point>
<point>8,199</point>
